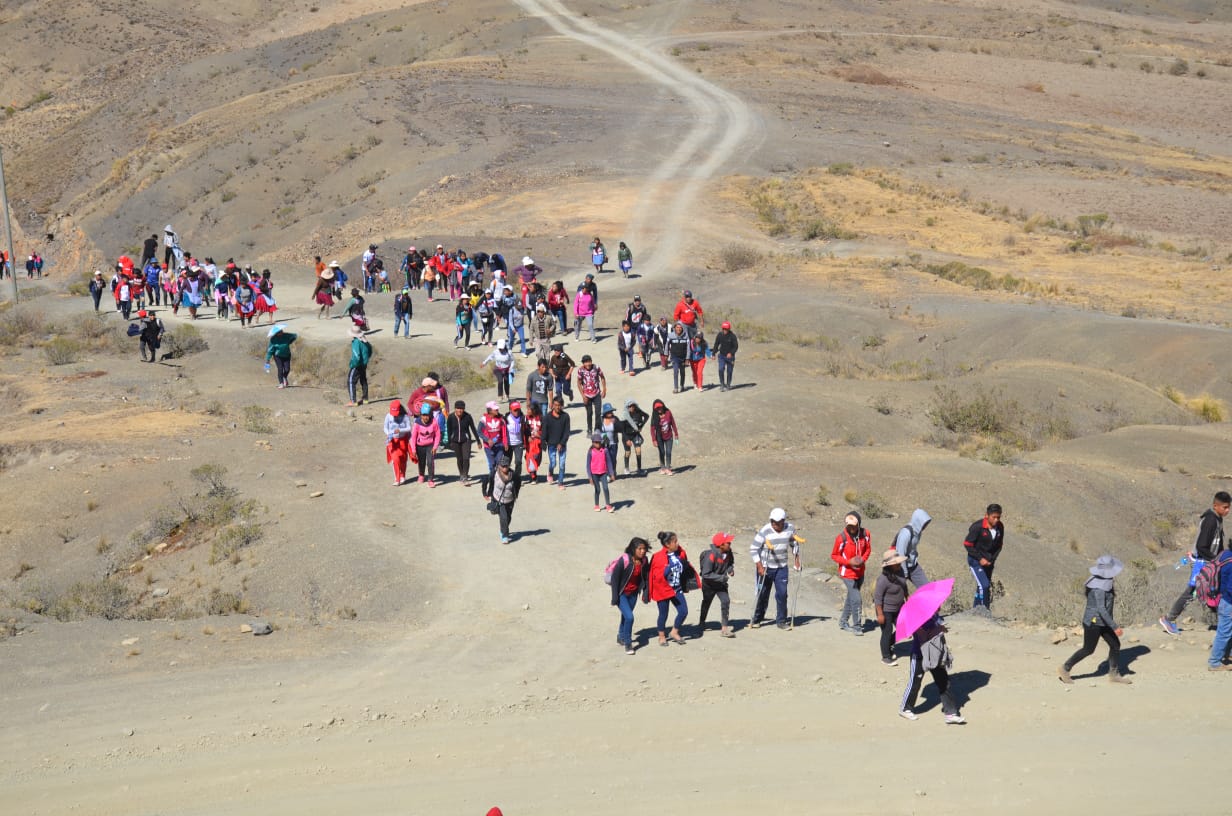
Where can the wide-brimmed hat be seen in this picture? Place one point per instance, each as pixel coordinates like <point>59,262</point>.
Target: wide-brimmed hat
<point>328,274</point>
<point>276,328</point>
<point>356,332</point>
<point>1107,566</point>
<point>528,261</point>
<point>891,557</point>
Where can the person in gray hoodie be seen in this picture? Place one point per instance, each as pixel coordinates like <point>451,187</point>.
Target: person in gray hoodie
<point>907,543</point>
<point>1097,621</point>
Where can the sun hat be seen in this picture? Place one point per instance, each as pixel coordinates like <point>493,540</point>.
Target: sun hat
<point>276,328</point>
<point>425,409</point>
<point>539,307</point>
<point>528,260</point>
<point>891,557</point>
<point>1107,566</point>
<point>356,332</point>
<point>722,538</point>
<point>328,275</point>
<point>502,343</point>
<point>335,265</point>
<point>607,408</point>
<point>778,514</point>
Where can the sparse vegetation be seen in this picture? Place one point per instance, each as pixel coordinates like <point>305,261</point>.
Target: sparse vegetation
<point>181,342</point>
<point>870,506</point>
<point>258,419</point>
<point>1203,406</point>
<point>823,495</point>
<point>62,351</point>
<point>737,257</point>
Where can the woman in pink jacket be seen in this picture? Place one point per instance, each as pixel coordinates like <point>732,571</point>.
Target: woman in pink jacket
<point>584,312</point>
<point>426,438</point>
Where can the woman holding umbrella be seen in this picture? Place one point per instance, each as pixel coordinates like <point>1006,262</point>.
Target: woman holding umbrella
<point>918,619</point>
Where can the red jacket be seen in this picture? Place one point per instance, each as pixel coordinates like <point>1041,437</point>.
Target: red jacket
<point>846,548</point>
<point>687,313</point>
<point>660,589</point>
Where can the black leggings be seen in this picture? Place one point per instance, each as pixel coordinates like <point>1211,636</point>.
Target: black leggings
<point>711,589</point>
<point>887,633</point>
<point>1090,639</point>
<point>283,364</point>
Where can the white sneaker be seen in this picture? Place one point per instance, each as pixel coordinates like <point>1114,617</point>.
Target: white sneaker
<point>955,719</point>
<point>908,714</point>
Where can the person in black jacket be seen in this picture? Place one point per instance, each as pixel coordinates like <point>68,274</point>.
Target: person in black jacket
<point>717,566</point>
<point>460,431</point>
<point>677,348</point>
<point>630,427</point>
<point>984,542</point>
<point>725,347</point>
<point>1097,621</point>
<point>629,580</point>
<point>555,433</point>
<point>1206,547</point>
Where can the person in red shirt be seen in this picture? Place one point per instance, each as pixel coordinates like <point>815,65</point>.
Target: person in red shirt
<point>852,547</point>
<point>671,576</point>
<point>689,312</point>
<point>630,578</point>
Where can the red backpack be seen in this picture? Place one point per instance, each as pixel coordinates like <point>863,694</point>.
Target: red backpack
<point>1206,585</point>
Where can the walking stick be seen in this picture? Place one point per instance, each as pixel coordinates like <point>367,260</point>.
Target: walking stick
<point>795,597</point>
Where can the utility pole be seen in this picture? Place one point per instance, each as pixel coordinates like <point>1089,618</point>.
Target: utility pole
<point>8,229</point>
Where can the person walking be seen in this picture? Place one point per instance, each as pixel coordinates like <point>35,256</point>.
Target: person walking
<point>584,307</point>
<point>889,595</point>
<point>688,312</point>
<point>397,440</point>
<point>515,324</point>
<point>533,441</point>
<point>659,336</point>
<point>609,427</point>
<point>598,255</point>
<point>1218,659</point>
<point>698,351</point>
<point>97,287</point>
<point>631,424</point>
<point>539,386</point>
<point>907,544</point>
<point>323,292</point>
<point>425,439</point>
<point>624,256</point>
<point>357,376</point>
<point>279,349</point>
<point>493,434</point>
<point>463,317</point>
<point>929,652</point>
<point>597,470</point>
<point>515,433</point>
<point>558,305</point>
<point>403,311</point>
<point>592,385</point>
<point>718,566</point>
<point>852,548</point>
<point>630,576</point>
<point>769,552</point>
<point>562,367</point>
<point>502,368</point>
<point>1207,546</point>
<point>124,297</point>
<point>626,346</point>
<point>486,311</point>
<point>460,430</point>
<point>984,541</point>
<point>542,330</point>
<point>677,349</point>
<point>1097,621</point>
<point>670,577</point>
<point>556,441</point>
<point>663,433</point>
<point>726,344</point>
<point>152,331</point>
<point>500,488</point>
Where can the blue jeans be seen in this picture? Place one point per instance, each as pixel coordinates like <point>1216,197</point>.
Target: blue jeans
<point>776,578</point>
<point>1223,633</point>
<point>520,334</point>
<point>562,319</point>
<point>726,365</point>
<point>494,454</point>
<point>682,611</point>
<point>584,320</point>
<point>627,604</point>
<point>983,582</point>
<point>562,388</point>
<point>554,457</point>
<point>400,320</point>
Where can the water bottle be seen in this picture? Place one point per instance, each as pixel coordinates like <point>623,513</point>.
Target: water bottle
<point>1184,562</point>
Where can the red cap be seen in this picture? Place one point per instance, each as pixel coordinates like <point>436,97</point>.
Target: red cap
<point>722,538</point>
<point>143,313</point>
<point>395,407</point>
<point>515,405</point>
<point>725,325</point>
<point>495,812</point>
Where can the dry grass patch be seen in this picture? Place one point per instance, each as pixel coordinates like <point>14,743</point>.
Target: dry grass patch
<point>864,75</point>
<point>1203,406</point>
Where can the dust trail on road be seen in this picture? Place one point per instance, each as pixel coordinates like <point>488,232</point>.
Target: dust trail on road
<point>722,123</point>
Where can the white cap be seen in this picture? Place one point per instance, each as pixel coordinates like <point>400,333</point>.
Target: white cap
<point>528,261</point>
<point>778,514</point>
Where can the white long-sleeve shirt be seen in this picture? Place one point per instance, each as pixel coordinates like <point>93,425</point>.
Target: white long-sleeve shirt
<point>770,548</point>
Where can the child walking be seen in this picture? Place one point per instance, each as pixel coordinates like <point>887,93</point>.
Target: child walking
<point>929,652</point>
<point>1097,621</point>
<point>597,469</point>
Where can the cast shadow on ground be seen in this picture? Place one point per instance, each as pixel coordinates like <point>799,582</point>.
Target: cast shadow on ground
<point>518,535</point>
<point>742,385</point>
<point>962,685</point>
<point>1128,656</point>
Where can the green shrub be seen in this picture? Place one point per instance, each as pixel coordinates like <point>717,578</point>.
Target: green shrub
<point>62,350</point>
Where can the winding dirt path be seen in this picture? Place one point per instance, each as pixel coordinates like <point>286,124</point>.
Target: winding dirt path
<point>722,123</point>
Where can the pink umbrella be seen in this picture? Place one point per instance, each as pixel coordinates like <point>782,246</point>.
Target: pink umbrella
<point>921,606</point>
